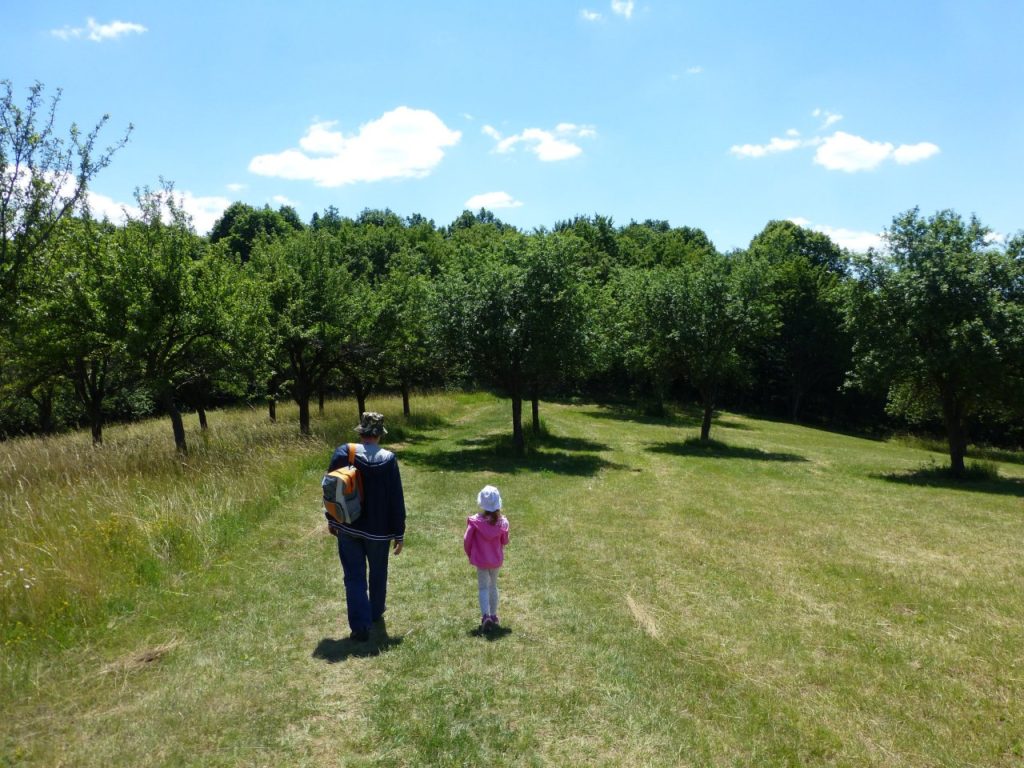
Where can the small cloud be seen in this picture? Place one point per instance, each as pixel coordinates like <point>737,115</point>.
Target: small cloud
<point>103,207</point>
<point>695,70</point>
<point>850,239</point>
<point>467,116</point>
<point>97,33</point>
<point>793,132</point>
<point>402,143</point>
<point>236,187</point>
<point>590,15</point>
<point>623,8</point>
<point>492,201</point>
<point>549,146</point>
<point>774,146</point>
<point>905,154</point>
<point>845,152</point>
<point>204,211</point>
<point>282,200</point>
<point>828,118</point>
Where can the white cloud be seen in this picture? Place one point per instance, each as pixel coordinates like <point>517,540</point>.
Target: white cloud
<point>492,201</point>
<point>282,200</point>
<point>204,211</point>
<point>99,32</point>
<point>695,70</point>
<point>236,187</point>
<point>549,146</point>
<point>402,143</point>
<point>623,7</point>
<point>905,154</point>
<point>853,240</point>
<point>793,132</point>
<point>101,206</point>
<point>774,146</point>
<point>845,152</point>
<point>828,118</point>
<point>590,15</point>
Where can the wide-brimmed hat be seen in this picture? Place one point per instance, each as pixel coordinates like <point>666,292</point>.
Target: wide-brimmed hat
<point>489,499</point>
<point>371,424</point>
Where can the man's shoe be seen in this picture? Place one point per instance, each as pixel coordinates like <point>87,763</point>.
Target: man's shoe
<point>359,635</point>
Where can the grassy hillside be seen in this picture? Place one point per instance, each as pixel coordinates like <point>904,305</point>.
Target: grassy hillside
<point>785,596</point>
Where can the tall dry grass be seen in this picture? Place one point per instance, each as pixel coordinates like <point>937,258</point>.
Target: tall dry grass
<point>82,527</point>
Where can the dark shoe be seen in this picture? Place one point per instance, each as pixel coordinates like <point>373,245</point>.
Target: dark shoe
<point>486,624</point>
<point>359,635</point>
<point>494,622</point>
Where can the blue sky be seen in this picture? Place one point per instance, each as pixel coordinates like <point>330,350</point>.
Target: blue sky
<point>719,115</point>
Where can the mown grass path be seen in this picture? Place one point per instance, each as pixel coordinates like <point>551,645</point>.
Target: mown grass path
<point>786,596</point>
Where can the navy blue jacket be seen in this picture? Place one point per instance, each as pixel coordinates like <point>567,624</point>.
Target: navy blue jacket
<point>383,516</point>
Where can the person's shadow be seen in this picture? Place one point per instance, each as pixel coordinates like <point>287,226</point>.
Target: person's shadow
<point>332,651</point>
<point>491,634</point>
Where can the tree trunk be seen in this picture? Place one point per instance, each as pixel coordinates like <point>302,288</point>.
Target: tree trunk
<point>795,400</point>
<point>44,405</point>
<point>956,433</point>
<point>320,397</point>
<point>303,401</point>
<point>518,439</point>
<point>705,425</point>
<point>405,400</point>
<point>96,425</point>
<point>201,412</point>
<point>361,401</point>
<point>272,409</point>
<point>177,425</point>
<point>535,412</point>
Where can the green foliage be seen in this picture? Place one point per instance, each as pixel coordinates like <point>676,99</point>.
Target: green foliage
<point>43,179</point>
<point>939,317</point>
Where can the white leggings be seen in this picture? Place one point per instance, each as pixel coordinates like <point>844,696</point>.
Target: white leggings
<point>487,583</point>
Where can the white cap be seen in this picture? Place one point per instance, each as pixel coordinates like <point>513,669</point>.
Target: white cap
<point>489,499</point>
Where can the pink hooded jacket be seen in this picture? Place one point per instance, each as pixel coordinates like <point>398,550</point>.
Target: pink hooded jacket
<point>485,543</point>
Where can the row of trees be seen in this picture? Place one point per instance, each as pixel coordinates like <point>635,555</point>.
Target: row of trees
<point>111,321</point>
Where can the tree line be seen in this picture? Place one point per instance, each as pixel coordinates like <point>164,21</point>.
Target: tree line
<point>109,321</point>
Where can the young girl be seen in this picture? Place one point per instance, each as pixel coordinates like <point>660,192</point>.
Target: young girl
<point>484,542</point>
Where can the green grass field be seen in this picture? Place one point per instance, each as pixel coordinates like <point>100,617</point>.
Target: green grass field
<point>784,596</point>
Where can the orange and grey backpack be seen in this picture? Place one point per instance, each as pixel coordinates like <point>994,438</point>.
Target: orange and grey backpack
<point>343,493</point>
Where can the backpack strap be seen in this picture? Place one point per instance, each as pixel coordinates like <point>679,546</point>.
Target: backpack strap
<point>352,454</point>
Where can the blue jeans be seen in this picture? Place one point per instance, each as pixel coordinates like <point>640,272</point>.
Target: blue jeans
<point>365,601</point>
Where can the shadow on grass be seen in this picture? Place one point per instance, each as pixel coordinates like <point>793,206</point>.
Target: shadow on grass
<point>490,635</point>
<point>333,651</point>
<point>496,453</point>
<point>713,449</point>
<point>628,414</point>
<point>940,477</point>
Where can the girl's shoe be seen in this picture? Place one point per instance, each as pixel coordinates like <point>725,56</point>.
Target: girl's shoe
<point>486,623</point>
<point>494,620</point>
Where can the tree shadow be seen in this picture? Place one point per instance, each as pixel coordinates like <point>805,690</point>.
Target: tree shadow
<point>629,414</point>
<point>333,651</point>
<point>940,477</point>
<point>716,450</point>
<point>496,453</point>
<point>490,455</point>
<point>492,634</point>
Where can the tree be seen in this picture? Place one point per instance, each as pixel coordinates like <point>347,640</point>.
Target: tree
<point>178,300</point>
<point>241,226</point>
<point>804,272</point>
<point>71,324</point>
<point>43,179</point>
<point>699,322</point>
<point>939,319</point>
<point>310,298</point>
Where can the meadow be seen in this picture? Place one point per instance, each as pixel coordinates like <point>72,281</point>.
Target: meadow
<point>781,596</point>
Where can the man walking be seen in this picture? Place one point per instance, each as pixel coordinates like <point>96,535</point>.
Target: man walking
<point>365,541</point>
